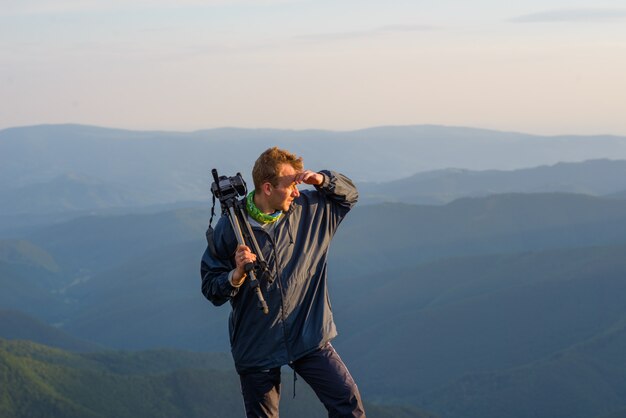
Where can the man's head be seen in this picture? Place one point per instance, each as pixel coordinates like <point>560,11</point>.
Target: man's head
<point>273,175</point>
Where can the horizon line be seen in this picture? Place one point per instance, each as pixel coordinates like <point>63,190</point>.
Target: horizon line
<point>373,127</point>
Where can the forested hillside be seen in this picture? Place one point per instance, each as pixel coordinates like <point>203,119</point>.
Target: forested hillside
<point>41,381</point>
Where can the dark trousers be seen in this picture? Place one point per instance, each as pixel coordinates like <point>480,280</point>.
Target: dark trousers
<point>323,370</point>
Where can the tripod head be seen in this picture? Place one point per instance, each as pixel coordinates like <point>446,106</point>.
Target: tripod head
<point>228,189</point>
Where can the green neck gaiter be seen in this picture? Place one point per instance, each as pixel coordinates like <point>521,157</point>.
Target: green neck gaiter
<point>257,215</point>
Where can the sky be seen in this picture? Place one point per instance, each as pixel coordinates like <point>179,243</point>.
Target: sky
<point>545,67</point>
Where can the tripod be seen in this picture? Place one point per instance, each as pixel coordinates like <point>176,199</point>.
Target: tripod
<point>227,190</point>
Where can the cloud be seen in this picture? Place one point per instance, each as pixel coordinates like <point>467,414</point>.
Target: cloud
<point>339,36</point>
<point>25,7</point>
<point>406,28</point>
<point>17,7</point>
<point>573,15</point>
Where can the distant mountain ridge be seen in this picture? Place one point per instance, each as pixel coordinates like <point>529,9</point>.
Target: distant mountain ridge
<point>68,192</point>
<point>503,223</point>
<point>71,196</point>
<point>143,168</point>
<point>593,177</point>
<point>15,325</point>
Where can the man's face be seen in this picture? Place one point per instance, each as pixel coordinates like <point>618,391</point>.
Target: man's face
<point>285,190</point>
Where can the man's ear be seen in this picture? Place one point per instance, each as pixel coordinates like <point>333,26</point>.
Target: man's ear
<point>266,188</point>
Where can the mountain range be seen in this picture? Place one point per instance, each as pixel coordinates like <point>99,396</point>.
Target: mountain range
<point>486,290</point>
<point>592,177</point>
<point>52,168</point>
<point>468,291</point>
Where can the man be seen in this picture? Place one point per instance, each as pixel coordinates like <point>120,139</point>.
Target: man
<point>294,230</point>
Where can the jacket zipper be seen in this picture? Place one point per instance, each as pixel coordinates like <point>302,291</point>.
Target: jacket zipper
<point>279,284</point>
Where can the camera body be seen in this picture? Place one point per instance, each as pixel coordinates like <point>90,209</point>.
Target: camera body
<point>227,188</point>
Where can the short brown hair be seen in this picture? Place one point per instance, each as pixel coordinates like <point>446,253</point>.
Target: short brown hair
<point>267,165</point>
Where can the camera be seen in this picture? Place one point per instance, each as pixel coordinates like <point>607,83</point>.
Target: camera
<point>226,188</point>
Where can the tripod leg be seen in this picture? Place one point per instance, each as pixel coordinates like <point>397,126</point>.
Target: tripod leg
<point>249,268</point>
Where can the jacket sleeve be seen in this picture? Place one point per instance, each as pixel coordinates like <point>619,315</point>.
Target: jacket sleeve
<point>216,266</point>
<point>340,194</point>
<point>339,189</point>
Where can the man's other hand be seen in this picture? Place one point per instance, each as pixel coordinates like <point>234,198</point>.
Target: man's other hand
<point>309,177</point>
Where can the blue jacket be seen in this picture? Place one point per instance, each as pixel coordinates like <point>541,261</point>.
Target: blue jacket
<point>300,318</point>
